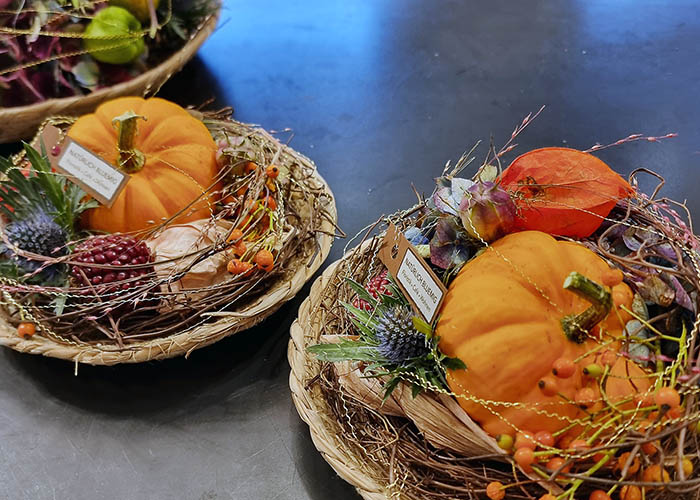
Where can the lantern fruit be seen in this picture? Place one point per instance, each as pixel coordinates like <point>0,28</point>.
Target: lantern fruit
<point>169,154</point>
<point>563,191</point>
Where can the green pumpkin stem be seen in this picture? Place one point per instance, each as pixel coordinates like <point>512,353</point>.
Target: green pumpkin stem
<point>131,160</point>
<point>577,326</point>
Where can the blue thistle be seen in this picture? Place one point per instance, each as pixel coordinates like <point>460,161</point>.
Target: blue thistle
<point>37,233</point>
<point>399,341</point>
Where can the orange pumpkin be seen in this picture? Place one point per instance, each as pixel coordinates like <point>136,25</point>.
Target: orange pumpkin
<point>502,317</point>
<point>179,163</point>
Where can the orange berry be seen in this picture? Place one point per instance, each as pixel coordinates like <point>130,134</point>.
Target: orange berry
<point>270,203</point>
<point>563,368</point>
<point>630,492</point>
<point>525,440</point>
<point>608,358</point>
<point>250,167</point>
<point>264,260</point>
<point>545,438</point>
<point>235,235</point>
<point>548,496</point>
<point>580,445</point>
<point>239,248</point>
<point>272,171</point>
<point>612,277</point>
<point>651,448</point>
<point>555,463</point>
<point>644,400</point>
<point>585,397</point>
<point>675,413</point>
<point>524,457</point>
<point>655,474</point>
<point>26,330</point>
<point>667,397</point>
<point>565,441</point>
<point>495,491</point>
<point>599,495</point>
<point>246,268</point>
<point>233,266</point>
<point>548,386</point>
<point>622,460</point>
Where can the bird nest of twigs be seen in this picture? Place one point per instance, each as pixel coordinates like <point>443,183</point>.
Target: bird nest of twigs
<point>179,285</point>
<point>393,430</point>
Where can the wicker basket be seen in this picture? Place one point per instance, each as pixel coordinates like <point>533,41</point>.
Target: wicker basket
<point>318,210</point>
<point>21,122</point>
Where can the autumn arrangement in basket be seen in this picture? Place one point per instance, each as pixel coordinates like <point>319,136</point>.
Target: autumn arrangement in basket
<point>568,337</point>
<point>211,214</point>
<point>60,48</point>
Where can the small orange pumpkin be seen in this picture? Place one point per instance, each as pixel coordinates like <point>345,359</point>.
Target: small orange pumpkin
<point>178,167</point>
<point>501,317</point>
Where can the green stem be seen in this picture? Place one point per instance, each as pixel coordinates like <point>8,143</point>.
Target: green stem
<point>131,160</point>
<point>577,326</point>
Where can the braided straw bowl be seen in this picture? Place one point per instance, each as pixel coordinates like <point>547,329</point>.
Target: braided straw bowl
<point>21,122</point>
<point>317,211</point>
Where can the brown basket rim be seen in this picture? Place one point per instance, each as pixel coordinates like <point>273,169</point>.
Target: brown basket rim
<point>311,405</point>
<point>22,121</point>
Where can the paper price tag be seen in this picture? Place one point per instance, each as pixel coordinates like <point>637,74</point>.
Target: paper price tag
<point>98,178</point>
<point>417,281</point>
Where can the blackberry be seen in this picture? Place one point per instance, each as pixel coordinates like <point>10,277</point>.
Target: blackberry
<point>398,340</point>
<point>39,234</point>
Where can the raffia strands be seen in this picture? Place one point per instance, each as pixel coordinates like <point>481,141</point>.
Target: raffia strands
<point>428,448</point>
<point>306,229</point>
<point>21,122</point>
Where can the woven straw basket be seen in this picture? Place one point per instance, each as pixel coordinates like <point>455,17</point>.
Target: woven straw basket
<point>21,122</point>
<point>318,212</point>
<point>440,420</point>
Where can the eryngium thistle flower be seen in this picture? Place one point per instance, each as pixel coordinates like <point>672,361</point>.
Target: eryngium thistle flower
<point>398,340</point>
<point>38,234</point>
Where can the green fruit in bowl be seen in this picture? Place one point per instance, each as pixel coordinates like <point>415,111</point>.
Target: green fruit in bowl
<point>114,36</point>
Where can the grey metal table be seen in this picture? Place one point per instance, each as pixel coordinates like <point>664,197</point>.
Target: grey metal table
<point>380,94</point>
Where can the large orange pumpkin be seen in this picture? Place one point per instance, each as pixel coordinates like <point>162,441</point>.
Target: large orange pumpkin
<point>502,318</point>
<point>179,164</point>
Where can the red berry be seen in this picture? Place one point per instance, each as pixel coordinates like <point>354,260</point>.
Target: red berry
<point>525,440</point>
<point>375,287</point>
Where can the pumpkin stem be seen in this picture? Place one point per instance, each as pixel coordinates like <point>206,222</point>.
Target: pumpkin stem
<point>131,160</point>
<point>577,326</point>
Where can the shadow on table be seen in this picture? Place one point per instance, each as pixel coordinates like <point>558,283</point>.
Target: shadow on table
<point>207,377</point>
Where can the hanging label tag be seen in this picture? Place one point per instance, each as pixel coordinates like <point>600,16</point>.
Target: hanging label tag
<point>98,178</point>
<point>417,281</point>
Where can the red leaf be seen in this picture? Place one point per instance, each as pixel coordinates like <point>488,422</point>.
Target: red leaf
<point>563,191</point>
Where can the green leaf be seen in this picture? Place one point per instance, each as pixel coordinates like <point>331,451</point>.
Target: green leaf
<point>422,326</point>
<point>416,390</point>
<point>454,364</point>
<point>345,350</point>
<point>361,292</point>
<point>389,388</point>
